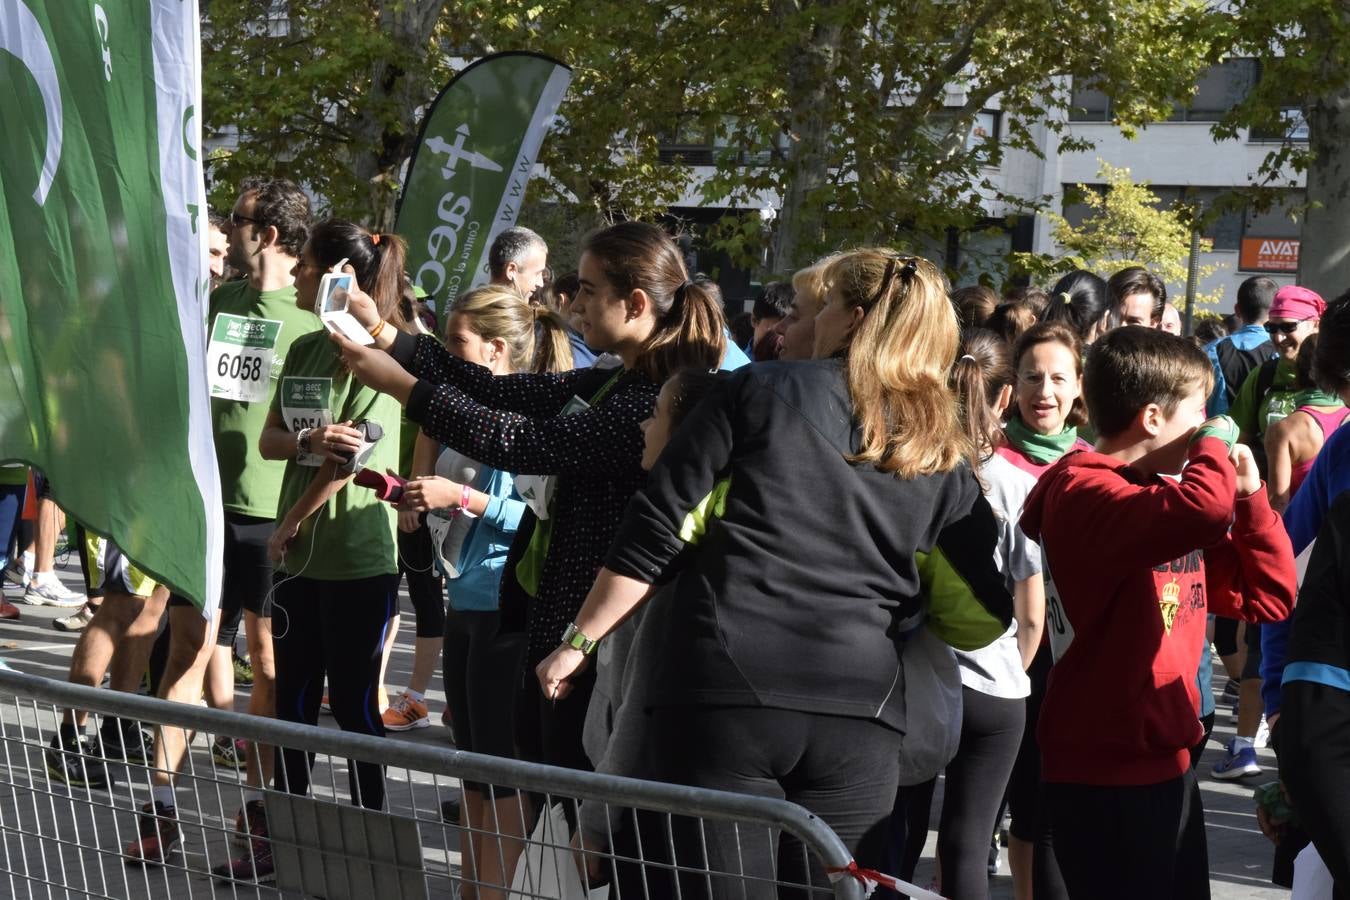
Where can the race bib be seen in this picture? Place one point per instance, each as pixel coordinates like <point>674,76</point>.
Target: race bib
<point>240,357</point>
<point>1057,624</point>
<point>304,404</point>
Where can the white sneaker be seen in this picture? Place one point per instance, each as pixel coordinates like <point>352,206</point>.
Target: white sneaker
<point>47,590</point>
<point>76,621</point>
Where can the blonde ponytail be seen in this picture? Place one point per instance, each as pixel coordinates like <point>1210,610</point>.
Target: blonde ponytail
<point>553,348</point>
<point>898,363</point>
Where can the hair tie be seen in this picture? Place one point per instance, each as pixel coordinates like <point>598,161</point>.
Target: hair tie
<point>1066,297</point>
<point>375,239</point>
<point>682,290</point>
<point>971,358</point>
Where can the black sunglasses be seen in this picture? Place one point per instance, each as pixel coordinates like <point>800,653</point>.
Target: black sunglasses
<point>236,219</point>
<point>1286,328</point>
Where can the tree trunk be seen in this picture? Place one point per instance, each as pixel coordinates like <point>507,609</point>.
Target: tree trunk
<point>381,147</point>
<point>1324,248</point>
<point>811,69</point>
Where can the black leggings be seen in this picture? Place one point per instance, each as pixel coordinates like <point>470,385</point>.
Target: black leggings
<point>842,769</point>
<point>417,561</point>
<point>1121,843</point>
<point>333,628</point>
<point>991,732</point>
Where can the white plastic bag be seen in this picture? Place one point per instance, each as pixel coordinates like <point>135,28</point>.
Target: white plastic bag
<point>548,867</point>
<point>450,527</point>
<point>1312,878</point>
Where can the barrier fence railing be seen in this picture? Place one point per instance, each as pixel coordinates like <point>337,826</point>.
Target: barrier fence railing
<point>654,840</point>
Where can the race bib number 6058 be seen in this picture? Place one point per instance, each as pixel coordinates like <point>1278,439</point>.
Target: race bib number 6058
<point>239,357</point>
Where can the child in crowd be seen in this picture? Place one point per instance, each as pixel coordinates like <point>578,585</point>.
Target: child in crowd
<point>1126,548</point>
<point>994,683</point>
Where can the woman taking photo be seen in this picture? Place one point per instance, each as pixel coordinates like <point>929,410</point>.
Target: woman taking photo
<point>636,301</point>
<point>334,546</point>
<point>778,677</point>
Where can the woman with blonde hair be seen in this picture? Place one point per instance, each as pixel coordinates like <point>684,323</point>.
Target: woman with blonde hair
<point>798,327</point>
<point>781,674</point>
<point>473,511</point>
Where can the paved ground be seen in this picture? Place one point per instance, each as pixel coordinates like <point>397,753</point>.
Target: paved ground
<point>1239,855</point>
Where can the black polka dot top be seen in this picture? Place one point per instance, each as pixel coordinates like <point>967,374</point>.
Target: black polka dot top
<point>514,423</point>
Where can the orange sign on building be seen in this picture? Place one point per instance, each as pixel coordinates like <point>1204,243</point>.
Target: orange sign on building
<point>1268,255</point>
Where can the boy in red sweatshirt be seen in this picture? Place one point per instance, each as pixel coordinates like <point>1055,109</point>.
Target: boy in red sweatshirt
<point>1133,561</point>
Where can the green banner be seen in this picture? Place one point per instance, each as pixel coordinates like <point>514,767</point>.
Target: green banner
<point>102,275</point>
<point>467,177</point>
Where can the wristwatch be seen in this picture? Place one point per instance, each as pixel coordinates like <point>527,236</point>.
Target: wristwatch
<point>302,441</point>
<point>573,638</point>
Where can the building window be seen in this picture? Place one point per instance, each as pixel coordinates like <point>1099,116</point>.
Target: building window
<point>1224,232</point>
<point>1218,89</point>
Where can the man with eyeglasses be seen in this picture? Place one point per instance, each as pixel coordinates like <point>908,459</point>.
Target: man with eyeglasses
<point>1266,396</point>
<point>252,322</point>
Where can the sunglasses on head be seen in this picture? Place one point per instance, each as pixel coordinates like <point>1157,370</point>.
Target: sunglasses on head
<point>1285,328</point>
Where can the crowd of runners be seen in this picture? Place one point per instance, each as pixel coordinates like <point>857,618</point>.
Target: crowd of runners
<point>872,531</point>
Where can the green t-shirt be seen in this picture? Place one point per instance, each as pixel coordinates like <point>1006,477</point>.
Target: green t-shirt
<point>407,443</point>
<point>1254,415</point>
<point>354,534</point>
<point>249,484</point>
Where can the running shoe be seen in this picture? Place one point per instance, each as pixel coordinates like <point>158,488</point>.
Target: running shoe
<point>1236,763</point>
<point>324,706</point>
<point>47,590</point>
<point>229,752</point>
<point>160,835</point>
<point>17,573</point>
<point>123,741</point>
<point>76,621</point>
<point>255,862</point>
<point>76,763</point>
<point>243,671</point>
<point>1230,689</point>
<point>8,610</point>
<point>405,714</point>
<point>245,823</point>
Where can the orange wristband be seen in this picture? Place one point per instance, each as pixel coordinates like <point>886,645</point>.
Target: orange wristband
<point>375,332</point>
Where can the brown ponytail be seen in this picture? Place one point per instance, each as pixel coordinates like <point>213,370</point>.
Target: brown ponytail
<point>979,376</point>
<point>378,260</point>
<point>690,327</point>
<point>552,348</point>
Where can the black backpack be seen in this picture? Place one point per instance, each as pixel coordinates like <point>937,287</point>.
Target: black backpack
<point>1237,364</point>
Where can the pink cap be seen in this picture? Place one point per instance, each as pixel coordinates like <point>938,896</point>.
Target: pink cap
<point>1293,302</point>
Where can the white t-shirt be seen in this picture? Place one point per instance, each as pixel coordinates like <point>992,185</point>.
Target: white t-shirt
<point>996,670</point>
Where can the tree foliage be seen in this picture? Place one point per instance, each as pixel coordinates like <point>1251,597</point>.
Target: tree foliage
<point>1127,226</point>
<point>853,118</point>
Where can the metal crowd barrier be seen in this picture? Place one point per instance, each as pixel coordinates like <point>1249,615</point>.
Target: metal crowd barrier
<point>58,841</point>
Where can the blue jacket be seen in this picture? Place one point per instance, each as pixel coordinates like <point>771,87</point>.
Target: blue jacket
<point>1330,475</point>
<point>1247,337</point>
<point>483,556</point>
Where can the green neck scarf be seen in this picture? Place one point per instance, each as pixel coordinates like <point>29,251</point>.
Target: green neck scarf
<point>1316,397</point>
<point>1039,448</point>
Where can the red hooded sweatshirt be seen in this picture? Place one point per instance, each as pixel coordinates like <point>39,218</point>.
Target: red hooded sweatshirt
<point>1133,563</point>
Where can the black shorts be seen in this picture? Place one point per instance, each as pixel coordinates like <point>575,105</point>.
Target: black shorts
<point>482,668</point>
<point>247,581</point>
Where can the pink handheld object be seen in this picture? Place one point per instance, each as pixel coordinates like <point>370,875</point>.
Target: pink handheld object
<point>386,487</point>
